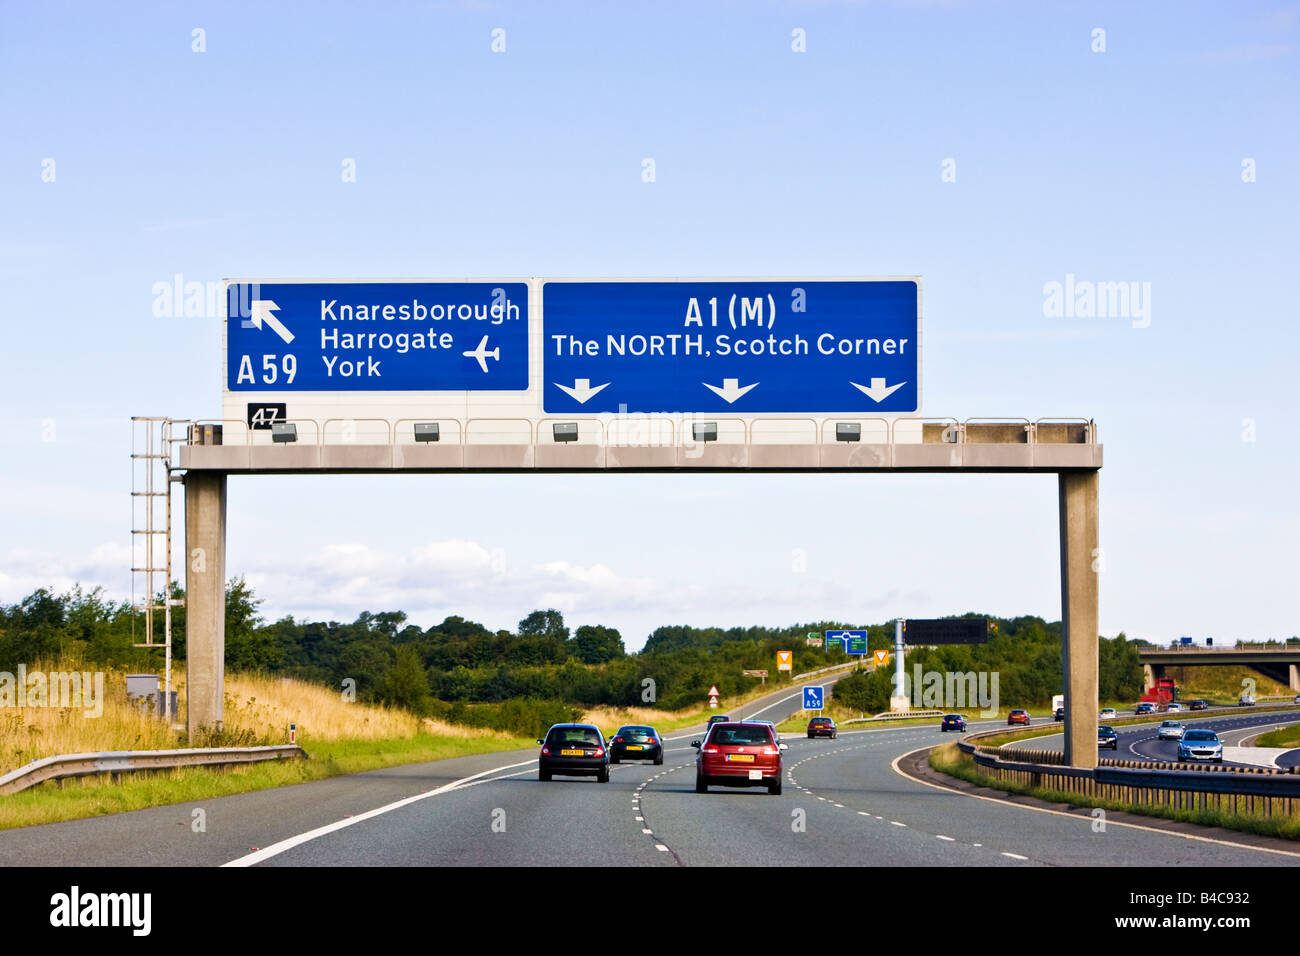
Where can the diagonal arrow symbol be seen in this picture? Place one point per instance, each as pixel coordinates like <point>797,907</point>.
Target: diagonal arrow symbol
<point>262,309</point>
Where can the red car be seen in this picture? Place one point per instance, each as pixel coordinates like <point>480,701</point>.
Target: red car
<point>821,727</point>
<point>739,754</point>
<point>1018,717</point>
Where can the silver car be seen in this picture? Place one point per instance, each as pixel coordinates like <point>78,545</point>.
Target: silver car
<point>1200,745</point>
<point>1171,730</point>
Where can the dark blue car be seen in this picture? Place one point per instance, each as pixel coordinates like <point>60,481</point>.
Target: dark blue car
<point>953,722</point>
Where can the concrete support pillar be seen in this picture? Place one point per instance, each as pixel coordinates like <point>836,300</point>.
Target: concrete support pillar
<point>1148,677</point>
<point>1080,564</point>
<point>1295,678</point>
<point>205,600</point>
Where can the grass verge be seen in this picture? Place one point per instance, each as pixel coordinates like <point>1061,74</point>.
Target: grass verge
<point>1282,737</point>
<point>75,798</point>
<point>948,759</point>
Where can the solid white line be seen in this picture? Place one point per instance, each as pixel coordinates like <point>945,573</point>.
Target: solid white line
<point>275,849</point>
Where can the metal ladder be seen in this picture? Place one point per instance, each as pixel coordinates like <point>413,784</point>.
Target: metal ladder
<point>151,468</point>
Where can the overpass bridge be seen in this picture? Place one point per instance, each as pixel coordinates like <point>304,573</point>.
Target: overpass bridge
<point>1281,662</point>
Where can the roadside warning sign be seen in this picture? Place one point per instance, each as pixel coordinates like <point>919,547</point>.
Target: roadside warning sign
<point>784,660</point>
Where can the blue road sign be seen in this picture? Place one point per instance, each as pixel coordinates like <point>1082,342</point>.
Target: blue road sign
<point>807,346</point>
<point>855,642</point>
<point>812,698</point>
<point>376,336</point>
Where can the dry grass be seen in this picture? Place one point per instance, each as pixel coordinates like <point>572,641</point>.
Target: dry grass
<point>258,710</point>
<point>265,706</point>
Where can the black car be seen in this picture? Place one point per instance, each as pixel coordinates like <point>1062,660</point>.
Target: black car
<point>1106,737</point>
<point>1197,705</point>
<point>953,722</point>
<point>573,750</point>
<point>636,742</point>
<point>1060,714</point>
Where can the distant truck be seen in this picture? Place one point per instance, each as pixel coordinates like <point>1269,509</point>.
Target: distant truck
<point>1058,702</point>
<point>1162,694</point>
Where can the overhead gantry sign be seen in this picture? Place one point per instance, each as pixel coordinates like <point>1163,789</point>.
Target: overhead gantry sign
<point>638,375</point>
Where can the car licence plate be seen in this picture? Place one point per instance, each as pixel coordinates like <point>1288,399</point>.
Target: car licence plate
<point>741,758</point>
<point>634,747</point>
<point>573,753</point>
<point>756,775</point>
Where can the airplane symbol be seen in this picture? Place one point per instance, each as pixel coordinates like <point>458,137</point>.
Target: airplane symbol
<point>481,353</point>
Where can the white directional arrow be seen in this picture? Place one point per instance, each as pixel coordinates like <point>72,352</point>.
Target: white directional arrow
<point>730,390</point>
<point>878,392</point>
<point>581,390</point>
<point>262,309</point>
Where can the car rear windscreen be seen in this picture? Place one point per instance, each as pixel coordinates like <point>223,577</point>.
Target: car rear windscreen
<point>575,735</point>
<point>1199,735</point>
<point>725,736</point>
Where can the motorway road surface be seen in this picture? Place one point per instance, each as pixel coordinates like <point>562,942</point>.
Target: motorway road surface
<point>1139,741</point>
<point>844,803</point>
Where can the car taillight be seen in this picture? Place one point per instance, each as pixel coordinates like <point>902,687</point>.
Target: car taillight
<point>546,751</point>
<point>600,751</point>
<point>709,750</point>
<point>770,751</point>
<point>618,740</point>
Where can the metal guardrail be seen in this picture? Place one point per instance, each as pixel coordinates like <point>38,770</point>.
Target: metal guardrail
<point>130,761</point>
<point>824,670</point>
<point>1254,791</point>
<point>908,715</point>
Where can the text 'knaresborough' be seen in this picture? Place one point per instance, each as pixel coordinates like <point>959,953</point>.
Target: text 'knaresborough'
<point>678,343</point>
<point>500,310</point>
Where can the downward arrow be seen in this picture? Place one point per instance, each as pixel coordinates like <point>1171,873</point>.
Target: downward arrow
<point>730,390</point>
<point>877,392</point>
<point>581,390</point>
<point>262,309</point>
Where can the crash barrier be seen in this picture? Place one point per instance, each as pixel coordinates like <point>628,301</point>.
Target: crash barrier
<point>130,761</point>
<point>905,715</point>
<point>1254,791</point>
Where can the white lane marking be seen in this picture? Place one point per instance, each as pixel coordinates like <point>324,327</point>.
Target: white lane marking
<point>863,813</point>
<point>1083,819</point>
<point>661,848</point>
<point>647,832</point>
<point>1015,856</point>
<point>940,836</point>
<point>840,805</point>
<point>639,819</point>
<point>275,849</point>
<point>897,824</point>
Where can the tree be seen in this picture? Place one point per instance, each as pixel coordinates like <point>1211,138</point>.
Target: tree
<point>405,684</point>
<point>249,646</point>
<point>593,644</point>
<point>549,623</point>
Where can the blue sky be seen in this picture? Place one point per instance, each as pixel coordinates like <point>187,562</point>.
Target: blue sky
<point>1124,165</point>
